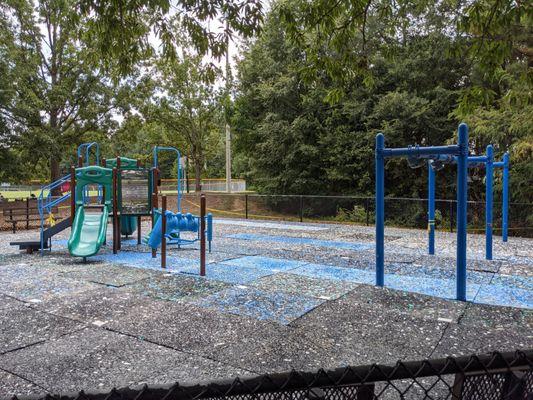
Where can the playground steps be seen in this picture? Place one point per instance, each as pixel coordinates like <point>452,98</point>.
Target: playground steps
<point>30,246</point>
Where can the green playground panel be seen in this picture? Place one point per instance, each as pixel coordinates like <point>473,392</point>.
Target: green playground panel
<point>125,163</point>
<point>94,175</point>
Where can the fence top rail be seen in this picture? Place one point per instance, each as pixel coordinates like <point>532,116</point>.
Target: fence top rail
<point>304,196</point>
<point>347,197</point>
<point>294,380</point>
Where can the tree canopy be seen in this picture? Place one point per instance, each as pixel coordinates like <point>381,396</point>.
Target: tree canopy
<point>316,80</point>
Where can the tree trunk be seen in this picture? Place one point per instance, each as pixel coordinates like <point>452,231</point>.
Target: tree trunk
<point>54,175</point>
<point>197,176</point>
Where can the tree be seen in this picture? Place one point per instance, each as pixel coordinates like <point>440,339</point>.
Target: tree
<point>121,29</point>
<point>188,108</point>
<point>58,94</point>
<point>289,140</point>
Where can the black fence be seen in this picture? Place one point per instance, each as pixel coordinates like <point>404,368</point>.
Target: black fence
<point>401,212</point>
<point>497,376</point>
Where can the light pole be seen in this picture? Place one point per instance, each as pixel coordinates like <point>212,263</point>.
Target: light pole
<point>228,131</point>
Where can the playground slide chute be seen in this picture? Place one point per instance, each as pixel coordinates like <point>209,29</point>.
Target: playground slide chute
<point>88,232</point>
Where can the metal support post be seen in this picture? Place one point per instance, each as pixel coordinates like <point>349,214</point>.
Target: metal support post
<point>462,198</point>
<point>380,210</point>
<point>431,209</point>
<point>505,197</point>
<point>489,177</point>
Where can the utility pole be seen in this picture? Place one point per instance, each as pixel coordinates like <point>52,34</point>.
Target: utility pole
<point>228,131</point>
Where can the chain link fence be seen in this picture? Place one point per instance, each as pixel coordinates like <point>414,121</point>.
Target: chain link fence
<point>401,212</point>
<point>496,376</point>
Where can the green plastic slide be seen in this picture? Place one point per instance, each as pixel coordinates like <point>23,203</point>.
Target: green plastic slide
<point>88,232</point>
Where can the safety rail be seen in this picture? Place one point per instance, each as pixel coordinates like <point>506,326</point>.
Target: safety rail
<point>48,202</point>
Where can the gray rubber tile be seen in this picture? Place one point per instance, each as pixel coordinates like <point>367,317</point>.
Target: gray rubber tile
<point>520,269</point>
<point>372,302</point>
<point>301,285</point>
<point>184,326</point>
<point>356,332</point>
<point>466,340</point>
<point>384,339</point>
<point>176,287</point>
<point>258,346</point>
<point>95,358</point>
<point>449,262</point>
<point>22,326</point>
<point>108,274</point>
<point>93,306</point>
<point>7,302</point>
<point>274,306</point>
<point>275,351</point>
<point>38,289</point>
<point>385,300</point>
<point>12,385</point>
<point>482,315</point>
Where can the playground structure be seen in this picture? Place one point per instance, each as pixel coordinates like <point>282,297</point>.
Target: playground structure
<point>486,161</point>
<point>126,191</point>
<point>437,156</point>
<point>417,154</point>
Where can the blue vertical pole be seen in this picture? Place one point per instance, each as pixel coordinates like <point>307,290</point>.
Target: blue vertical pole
<point>431,209</point>
<point>489,177</point>
<point>462,197</point>
<point>380,210</point>
<point>505,195</point>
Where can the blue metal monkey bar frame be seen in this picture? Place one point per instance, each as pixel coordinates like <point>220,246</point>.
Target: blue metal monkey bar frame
<point>460,151</point>
<point>488,162</point>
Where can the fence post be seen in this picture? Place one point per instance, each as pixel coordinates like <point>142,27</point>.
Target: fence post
<point>11,219</point>
<point>451,215</point>
<point>301,208</point>
<point>246,205</point>
<point>27,213</point>
<point>367,207</point>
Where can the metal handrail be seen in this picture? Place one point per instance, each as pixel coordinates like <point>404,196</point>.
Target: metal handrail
<point>48,202</point>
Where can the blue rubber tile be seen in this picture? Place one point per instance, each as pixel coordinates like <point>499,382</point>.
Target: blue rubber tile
<point>444,288</point>
<point>236,274</point>
<point>321,271</point>
<point>145,260</point>
<point>520,282</point>
<point>501,295</point>
<point>273,264</point>
<point>279,307</point>
<point>436,272</point>
<point>303,241</point>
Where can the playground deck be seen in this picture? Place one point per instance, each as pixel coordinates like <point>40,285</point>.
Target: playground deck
<point>277,296</point>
